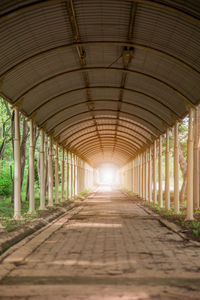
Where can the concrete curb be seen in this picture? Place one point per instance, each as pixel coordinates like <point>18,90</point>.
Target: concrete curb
<point>31,227</point>
<point>16,254</point>
<point>170,225</point>
<point>36,225</point>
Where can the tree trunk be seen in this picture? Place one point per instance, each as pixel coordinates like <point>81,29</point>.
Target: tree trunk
<point>23,147</point>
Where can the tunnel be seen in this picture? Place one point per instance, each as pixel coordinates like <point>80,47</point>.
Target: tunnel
<point>105,82</point>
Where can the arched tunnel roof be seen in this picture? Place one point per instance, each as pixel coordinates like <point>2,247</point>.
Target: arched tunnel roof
<point>105,78</point>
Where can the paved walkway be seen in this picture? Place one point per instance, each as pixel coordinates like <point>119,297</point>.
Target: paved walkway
<point>109,249</point>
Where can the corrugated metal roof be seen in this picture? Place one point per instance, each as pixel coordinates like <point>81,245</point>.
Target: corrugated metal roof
<point>73,77</point>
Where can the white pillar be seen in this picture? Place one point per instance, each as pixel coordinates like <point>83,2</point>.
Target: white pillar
<point>150,177</point>
<point>146,176</point>
<point>133,176</point>
<point>17,170</point>
<point>63,176</point>
<point>71,181</point>
<point>176,169</point>
<point>143,176</point>
<point>42,172</point>
<point>67,176</point>
<point>56,176</point>
<point>50,173</point>
<point>160,173</point>
<point>74,172</point>
<point>31,172</point>
<point>196,159</point>
<point>167,173</point>
<point>154,173</point>
<point>190,167</point>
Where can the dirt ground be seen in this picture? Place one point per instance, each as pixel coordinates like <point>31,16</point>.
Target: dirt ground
<point>108,247</point>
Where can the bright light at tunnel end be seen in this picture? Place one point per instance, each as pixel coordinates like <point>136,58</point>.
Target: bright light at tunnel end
<point>108,174</point>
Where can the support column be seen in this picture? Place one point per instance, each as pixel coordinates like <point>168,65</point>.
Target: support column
<point>56,176</point>
<point>63,176</point>
<point>17,168</point>
<point>176,170</point>
<point>133,176</point>
<point>190,167</point>
<point>71,190</point>
<point>31,172</point>
<point>154,173</point>
<point>74,173</point>
<point>143,176</point>
<point>167,173</point>
<point>160,173</point>
<point>196,159</point>
<point>67,176</point>
<point>146,176</point>
<point>137,175</point>
<point>150,177</point>
<point>42,172</point>
<point>50,173</point>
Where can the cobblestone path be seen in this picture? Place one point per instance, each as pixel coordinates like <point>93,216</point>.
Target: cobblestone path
<point>110,249</point>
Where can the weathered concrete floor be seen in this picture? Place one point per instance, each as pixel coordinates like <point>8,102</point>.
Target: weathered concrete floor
<point>111,249</point>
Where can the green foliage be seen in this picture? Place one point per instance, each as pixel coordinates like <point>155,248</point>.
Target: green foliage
<point>168,213</point>
<point>5,180</point>
<point>195,232</point>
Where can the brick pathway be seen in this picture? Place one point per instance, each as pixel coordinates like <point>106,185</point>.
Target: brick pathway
<point>111,249</point>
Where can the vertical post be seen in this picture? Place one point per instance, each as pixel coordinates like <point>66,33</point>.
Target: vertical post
<point>50,173</point>
<point>143,176</point>
<point>196,159</point>
<point>78,182</point>
<point>176,169</point>
<point>146,175</point>
<point>31,172</point>
<point>150,177</point>
<point>17,170</point>
<point>74,173</point>
<point>160,173</point>
<point>137,174</point>
<point>63,175</point>
<point>154,173</point>
<point>67,176</point>
<point>190,167</point>
<point>133,176</point>
<point>71,190</point>
<point>42,172</point>
<point>56,176</point>
<point>167,173</point>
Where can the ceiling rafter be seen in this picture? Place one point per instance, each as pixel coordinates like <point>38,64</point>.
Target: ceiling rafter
<point>127,55</point>
<point>106,100</point>
<point>159,52</point>
<point>34,111</point>
<point>105,137</point>
<point>107,124</point>
<point>123,144</point>
<point>41,3</point>
<point>52,128</point>
<point>111,69</point>
<point>122,152</point>
<point>82,60</point>
<point>107,118</point>
<point>134,139</point>
<point>95,152</point>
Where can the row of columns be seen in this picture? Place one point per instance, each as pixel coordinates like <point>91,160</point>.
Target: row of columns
<point>137,175</point>
<point>76,175</point>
